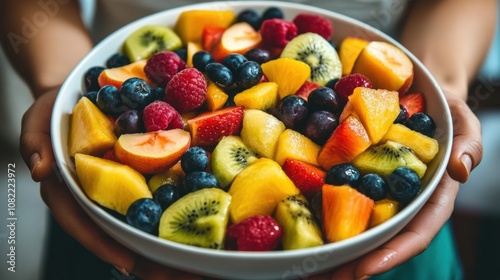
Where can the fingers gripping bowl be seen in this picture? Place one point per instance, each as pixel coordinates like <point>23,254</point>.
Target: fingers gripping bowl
<point>276,264</point>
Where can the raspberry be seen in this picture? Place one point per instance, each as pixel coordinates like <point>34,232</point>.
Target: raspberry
<point>277,32</point>
<point>257,233</point>
<point>162,66</point>
<point>187,90</point>
<point>160,115</point>
<point>346,85</point>
<point>314,23</point>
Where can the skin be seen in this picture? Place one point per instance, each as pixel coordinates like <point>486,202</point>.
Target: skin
<point>435,31</point>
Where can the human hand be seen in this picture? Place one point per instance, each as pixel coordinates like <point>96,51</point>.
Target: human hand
<point>418,234</point>
<point>36,150</point>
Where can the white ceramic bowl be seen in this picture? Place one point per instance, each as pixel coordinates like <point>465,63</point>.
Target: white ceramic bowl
<point>246,265</point>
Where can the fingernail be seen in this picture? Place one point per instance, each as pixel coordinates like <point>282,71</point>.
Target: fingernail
<point>34,161</point>
<point>122,270</point>
<point>466,162</point>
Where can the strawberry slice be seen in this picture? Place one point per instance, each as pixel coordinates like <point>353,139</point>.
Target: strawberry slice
<point>306,89</point>
<point>346,212</point>
<point>306,177</point>
<point>208,128</point>
<point>413,102</point>
<point>210,36</point>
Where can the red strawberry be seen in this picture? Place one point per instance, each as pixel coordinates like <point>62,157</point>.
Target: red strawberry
<point>413,102</point>
<point>306,177</point>
<point>162,66</point>
<point>314,23</point>
<point>306,88</point>
<point>257,233</point>
<point>276,33</point>
<point>187,90</point>
<point>346,85</point>
<point>208,128</point>
<point>210,36</point>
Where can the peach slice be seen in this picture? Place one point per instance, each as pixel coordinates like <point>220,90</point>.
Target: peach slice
<point>386,66</point>
<point>347,141</point>
<point>152,152</point>
<point>349,50</point>
<point>238,38</point>
<point>116,76</point>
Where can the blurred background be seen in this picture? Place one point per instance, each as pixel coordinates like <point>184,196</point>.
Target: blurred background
<point>477,213</point>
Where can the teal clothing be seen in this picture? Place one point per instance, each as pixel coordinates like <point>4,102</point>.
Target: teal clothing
<point>439,262</point>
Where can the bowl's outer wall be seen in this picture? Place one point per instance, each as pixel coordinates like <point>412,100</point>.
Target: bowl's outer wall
<point>237,265</point>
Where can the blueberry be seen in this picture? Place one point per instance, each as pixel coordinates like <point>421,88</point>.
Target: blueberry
<point>201,59</point>
<point>248,75</point>
<point>249,16</point>
<point>128,122</point>
<point>117,60</point>
<point>342,174</point>
<point>90,78</point>
<point>136,93</point>
<point>219,74</point>
<point>320,126</point>
<point>234,61</point>
<point>293,112</point>
<point>423,123</point>
<point>158,93</point>
<point>199,180</point>
<point>144,214</point>
<point>373,186</point>
<point>324,98</point>
<point>92,95</point>
<point>402,116</point>
<point>182,53</point>
<point>109,102</point>
<point>166,195</point>
<point>404,184</point>
<point>258,55</point>
<point>272,12</point>
<point>194,159</point>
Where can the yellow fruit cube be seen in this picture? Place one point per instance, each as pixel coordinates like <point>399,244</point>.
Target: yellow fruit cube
<point>261,96</point>
<point>288,73</point>
<point>293,145</point>
<point>260,132</point>
<point>190,23</point>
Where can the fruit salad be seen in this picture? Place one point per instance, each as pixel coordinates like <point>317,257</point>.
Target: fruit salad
<point>251,131</point>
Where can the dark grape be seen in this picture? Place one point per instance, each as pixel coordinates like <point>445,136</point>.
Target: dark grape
<point>320,126</point>
<point>128,122</point>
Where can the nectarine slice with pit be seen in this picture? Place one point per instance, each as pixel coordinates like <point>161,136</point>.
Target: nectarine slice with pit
<point>152,152</point>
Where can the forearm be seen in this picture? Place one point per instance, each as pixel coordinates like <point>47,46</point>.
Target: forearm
<point>43,42</point>
<point>451,37</point>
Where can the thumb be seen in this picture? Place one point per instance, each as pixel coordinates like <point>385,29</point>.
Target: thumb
<point>467,150</point>
<point>35,142</point>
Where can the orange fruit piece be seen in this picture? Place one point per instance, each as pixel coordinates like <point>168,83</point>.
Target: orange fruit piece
<point>116,76</point>
<point>216,97</point>
<point>345,212</point>
<point>383,210</point>
<point>376,109</point>
<point>349,50</point>
<point>190,24</point>
<point>288,73</point>
<point>261,96</point>
<point>294,145</point>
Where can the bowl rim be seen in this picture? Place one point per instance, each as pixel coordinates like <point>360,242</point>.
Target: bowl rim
<point>91,207</point>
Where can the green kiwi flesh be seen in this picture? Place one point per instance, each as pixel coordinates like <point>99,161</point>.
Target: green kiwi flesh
<point>300,229</point>
<point>318,53</point>
<point>384,159</point>
<point>150,39</point>
<point>229,157</point>
<point>199,219</point>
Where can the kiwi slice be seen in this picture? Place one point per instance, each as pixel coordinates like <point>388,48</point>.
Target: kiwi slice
<point>385,158</point>
<point>318,53</point>
<point>199,219</point>
<point>300,229</point>
<point>149,40</point>
<point>229,157</point>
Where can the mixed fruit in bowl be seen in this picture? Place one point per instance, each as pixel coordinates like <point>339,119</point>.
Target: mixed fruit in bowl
<point>251,132</point>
